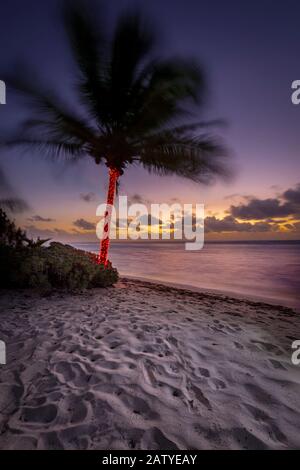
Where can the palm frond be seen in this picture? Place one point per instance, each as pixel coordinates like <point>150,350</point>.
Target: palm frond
<point>133,42</point>
<point>51,114</point>
<point>50,149</point>
<point>14,204</point>
<point>199,159</point>
<point>88,43</point>
<point>166,95</point>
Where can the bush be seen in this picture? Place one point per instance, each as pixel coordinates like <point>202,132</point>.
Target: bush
<point>25,263</point>
<point>55,267</point>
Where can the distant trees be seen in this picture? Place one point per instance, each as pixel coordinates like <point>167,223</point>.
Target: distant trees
<point>11,235</point>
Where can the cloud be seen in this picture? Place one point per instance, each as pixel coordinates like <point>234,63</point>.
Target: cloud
<point>57,234</point>
<point>38,218</point>
<point>260,209</point>
<point>143,219</point>
<point>137,199</point>
<point>285,205</point>
<point>88,197</point>
<point>146,219</point>
<point>232,196</point>
<point>84,224</point>
<point>275,187</point>
<point>293,195</point>
<point>230,224</point>
<point>296,226</point>
<point>34,232</point>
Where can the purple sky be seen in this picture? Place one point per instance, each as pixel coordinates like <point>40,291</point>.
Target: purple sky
<point>251,50</point>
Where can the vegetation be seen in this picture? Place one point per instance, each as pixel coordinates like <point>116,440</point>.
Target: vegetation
<point>27,264</point>
<point>10,235</point>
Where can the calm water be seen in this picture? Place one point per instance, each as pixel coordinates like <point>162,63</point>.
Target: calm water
<point>270,271</point>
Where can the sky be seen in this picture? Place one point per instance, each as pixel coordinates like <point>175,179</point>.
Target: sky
<point>250,51</point>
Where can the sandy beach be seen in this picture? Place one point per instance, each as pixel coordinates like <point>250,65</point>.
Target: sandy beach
<point>147,366</point>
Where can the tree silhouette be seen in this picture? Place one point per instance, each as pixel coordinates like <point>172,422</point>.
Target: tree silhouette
<point>136,106</point>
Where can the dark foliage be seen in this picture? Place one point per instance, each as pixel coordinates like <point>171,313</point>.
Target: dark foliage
<point>10,235</point>
<point>27,264</point>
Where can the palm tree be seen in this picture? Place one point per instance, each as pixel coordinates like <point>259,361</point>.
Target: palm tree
<point>134,107</point>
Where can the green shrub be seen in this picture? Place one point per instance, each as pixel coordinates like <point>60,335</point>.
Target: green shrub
<point>25,263</point>
<point>55,267</point>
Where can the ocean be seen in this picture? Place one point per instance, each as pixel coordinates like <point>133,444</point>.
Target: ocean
<point>264,271</point>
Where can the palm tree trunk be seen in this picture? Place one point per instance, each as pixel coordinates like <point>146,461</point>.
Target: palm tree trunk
<point>104,246</point>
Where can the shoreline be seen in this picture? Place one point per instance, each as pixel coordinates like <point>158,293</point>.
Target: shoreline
<point>216,292</point>
<point>262,287</point>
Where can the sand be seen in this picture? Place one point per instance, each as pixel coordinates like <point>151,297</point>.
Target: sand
<point>144,366</point>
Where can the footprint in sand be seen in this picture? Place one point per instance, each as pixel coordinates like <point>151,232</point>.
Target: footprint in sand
<point>71,373</point>
<point>277,364</point>
<point>177,393</point>
<point>174,367</point>
<point>50,440</point>
<point>204,372</point>
<point>148,371</point>
<point>149,349</point>
<point>260,395</point>
<point>269,347</point>
<point>40,414</point>
<point>246,440</point>
<point>200,398</point>
<point>75,408</point>
<point>154,439</point>
<point>37,401</point>
<point>114,345</point>
<point>217,384</point>
<point>138,406</point>
<point>132,366</point>
<point>238,345</point>
<point>10,396</point>
<point>266,421</point>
